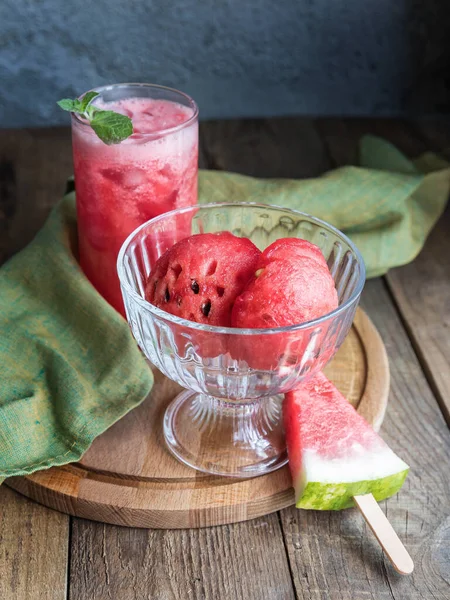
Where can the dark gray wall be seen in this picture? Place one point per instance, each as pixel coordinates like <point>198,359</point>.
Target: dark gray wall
<point>235,57</point>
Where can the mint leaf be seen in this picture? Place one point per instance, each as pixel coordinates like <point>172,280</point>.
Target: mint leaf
<point>70,105</point>
<point>86,99</point>
<point>111,127</point>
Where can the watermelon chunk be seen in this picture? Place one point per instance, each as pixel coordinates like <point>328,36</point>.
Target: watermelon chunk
<point>292,284</point>
<point>333,452</point>
<point>199,277</point>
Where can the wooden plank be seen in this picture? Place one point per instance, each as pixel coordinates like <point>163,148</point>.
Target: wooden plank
<point>435,134</point>
<point>283,147</point>
<point>422,293</point>
<point>202,156</point>
<point>425,317</point>
<point>341,137</point>
<point>334,555</point>
<point>8,201</point>
<point>232,562</point>
<point>424,308</point>
<point>34,544</point>
<point>33,539</point>
<point>34,166</point>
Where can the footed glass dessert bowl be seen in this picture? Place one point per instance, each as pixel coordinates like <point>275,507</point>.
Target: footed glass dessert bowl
<point>228,421</point>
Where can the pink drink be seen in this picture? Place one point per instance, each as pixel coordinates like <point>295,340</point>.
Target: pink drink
<point>121,186</point>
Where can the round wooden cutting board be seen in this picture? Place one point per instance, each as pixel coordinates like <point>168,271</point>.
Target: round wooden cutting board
<point>128,477</point>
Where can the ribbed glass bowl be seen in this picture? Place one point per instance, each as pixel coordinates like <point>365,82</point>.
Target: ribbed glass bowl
<point>228,421</point>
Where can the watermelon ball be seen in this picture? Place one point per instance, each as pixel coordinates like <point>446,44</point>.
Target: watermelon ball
<point>199,278</point>
<point>291,285</point>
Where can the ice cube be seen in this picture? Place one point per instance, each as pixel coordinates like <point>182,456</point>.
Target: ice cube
<point>166,172</point>
<point>129,178</point>
<point>133,178</point>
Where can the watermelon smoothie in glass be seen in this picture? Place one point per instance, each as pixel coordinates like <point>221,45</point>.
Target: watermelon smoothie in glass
<point>120,186</point>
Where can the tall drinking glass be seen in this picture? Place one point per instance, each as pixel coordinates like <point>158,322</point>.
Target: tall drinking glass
<point>120,186</point>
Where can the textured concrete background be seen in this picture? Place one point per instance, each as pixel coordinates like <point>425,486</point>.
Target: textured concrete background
<point>235,57</point>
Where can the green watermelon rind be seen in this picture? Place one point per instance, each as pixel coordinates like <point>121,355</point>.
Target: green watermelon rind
<point>337,496</point>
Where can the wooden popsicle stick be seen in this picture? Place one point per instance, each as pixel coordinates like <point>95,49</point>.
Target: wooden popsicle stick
<point>385,534</point>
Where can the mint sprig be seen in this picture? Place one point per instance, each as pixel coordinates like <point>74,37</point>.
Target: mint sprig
<point>111,127</point>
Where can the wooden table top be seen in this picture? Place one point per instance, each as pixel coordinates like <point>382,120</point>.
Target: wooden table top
<point>291,554</point>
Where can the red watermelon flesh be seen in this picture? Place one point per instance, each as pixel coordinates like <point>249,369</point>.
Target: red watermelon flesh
<point>292,285</point>
<point>291,248</point>
<point>334,454</point>
<point>200,277</point>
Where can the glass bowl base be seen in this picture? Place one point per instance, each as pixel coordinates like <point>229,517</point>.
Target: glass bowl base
<point>224,437</point>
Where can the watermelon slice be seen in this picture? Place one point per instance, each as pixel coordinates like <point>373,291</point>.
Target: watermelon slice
<point>333,452</point>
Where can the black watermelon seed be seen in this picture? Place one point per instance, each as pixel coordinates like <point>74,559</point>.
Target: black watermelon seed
<point>206,307</point>
<point>167,295</point>
<point>195,287</point>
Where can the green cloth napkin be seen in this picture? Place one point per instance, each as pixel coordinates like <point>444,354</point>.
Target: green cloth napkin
<point>69,367</point>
